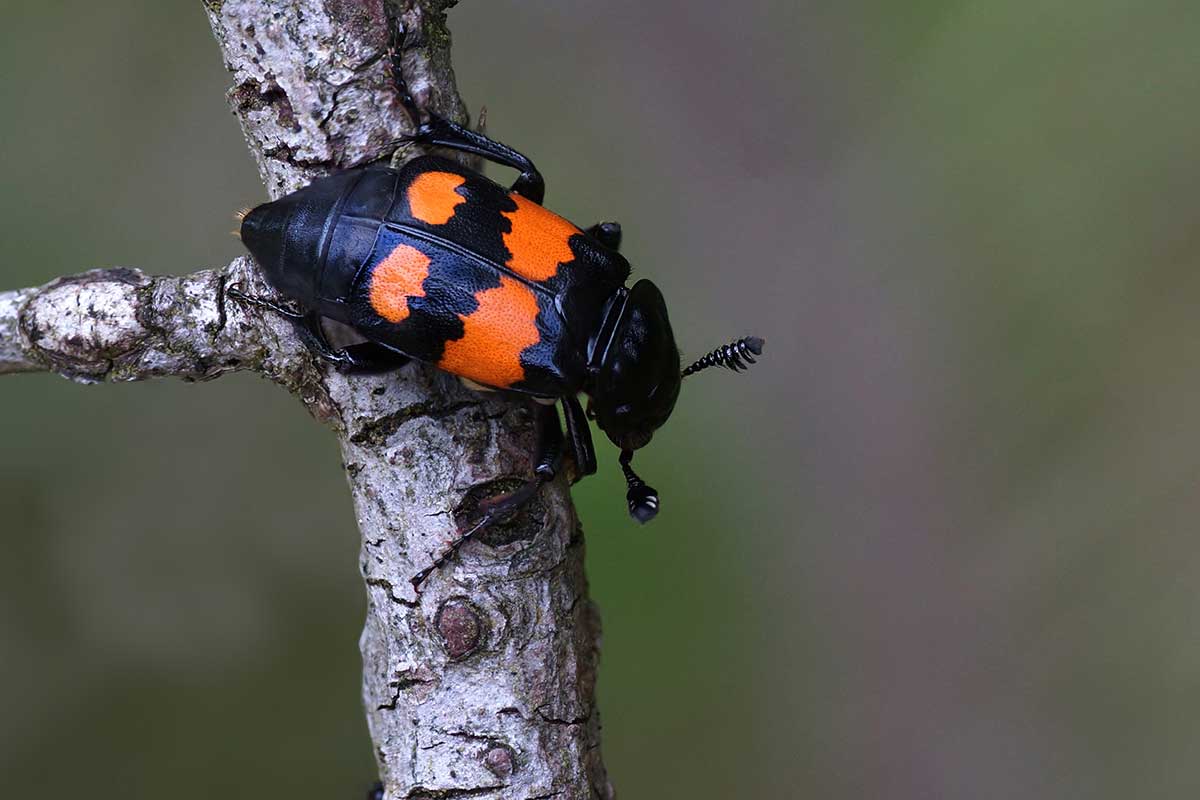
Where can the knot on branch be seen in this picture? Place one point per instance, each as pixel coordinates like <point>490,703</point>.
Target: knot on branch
<point>81,324</point>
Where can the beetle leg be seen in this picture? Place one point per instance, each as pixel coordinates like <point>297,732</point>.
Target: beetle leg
<point>367,358</point>
<point>607,234</point>
<point>361,358</point>
<point>579,438</point>
<point>547,458</point>
<point>235,291</point>
<point>395,59</point>
<point>546,463</point>
<point>308,324</point>
<point>440,132</point>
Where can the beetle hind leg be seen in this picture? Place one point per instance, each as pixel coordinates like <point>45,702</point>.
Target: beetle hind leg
<point>547,460</point>
<point>437,131</point>
<point>441,132</point>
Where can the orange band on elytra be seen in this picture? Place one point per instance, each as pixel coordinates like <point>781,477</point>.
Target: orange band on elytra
<point>432,197</point>
<point>495,334</point>
<point>397,278</point>
<point>538,240</point>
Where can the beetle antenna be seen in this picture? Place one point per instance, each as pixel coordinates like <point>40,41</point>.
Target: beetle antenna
<point>642,499</point>
<point>732,356</point>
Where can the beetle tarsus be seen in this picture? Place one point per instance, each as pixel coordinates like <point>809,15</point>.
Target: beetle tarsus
<point>395,54</point>
<point>495,510</point>
<point>357,359</point>
<point>235,291</point>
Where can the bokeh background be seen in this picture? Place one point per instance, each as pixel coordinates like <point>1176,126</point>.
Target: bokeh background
<point>941,543</point>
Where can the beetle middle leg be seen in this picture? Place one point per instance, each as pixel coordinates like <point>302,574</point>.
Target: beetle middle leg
<point>361,358</point>
<point>546,463</point>
<point>438,131</point>
<point>365,358</point>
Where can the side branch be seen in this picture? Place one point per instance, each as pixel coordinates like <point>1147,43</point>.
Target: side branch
<point>123,325</point>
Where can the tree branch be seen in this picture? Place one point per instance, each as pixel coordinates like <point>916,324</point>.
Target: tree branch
<point>483,684</point>
<point>121,325</point>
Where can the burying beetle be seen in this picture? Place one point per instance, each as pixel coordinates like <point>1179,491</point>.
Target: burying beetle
<point>435,262</point>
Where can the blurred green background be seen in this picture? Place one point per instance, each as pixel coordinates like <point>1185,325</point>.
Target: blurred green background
<point>941,543</point>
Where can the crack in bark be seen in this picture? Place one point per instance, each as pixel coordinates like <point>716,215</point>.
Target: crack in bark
<point>574,721</point>
<point>384,583</point>
<point>377,431</point>
<point>400,688</point>
<point>490,739</point>
<point>421,793</point>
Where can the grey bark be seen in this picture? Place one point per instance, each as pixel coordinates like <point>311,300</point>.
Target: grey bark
<point>483,683</point>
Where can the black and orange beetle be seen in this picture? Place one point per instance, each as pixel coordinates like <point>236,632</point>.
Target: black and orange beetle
<point>433,261</point>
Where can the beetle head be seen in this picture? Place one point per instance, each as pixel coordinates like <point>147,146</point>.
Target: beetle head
<point>638,379</point>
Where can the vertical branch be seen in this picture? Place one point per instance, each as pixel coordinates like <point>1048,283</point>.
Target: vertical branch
<point>483,685</point>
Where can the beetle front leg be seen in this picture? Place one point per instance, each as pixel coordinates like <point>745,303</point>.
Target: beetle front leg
<point>579,438</point>
<point>546,462</point>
